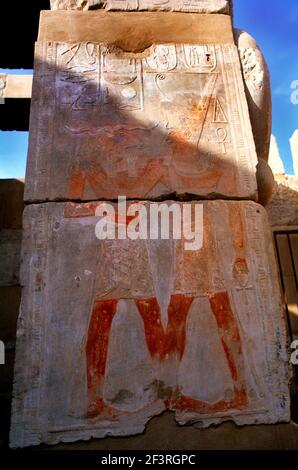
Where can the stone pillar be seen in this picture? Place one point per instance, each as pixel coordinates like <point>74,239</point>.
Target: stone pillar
<point>275,161</point>
<point>117,323</point>
<point>294,147</point>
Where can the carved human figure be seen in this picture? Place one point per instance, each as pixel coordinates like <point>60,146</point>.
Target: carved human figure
<point>167,339</point>
<point>164,345</point>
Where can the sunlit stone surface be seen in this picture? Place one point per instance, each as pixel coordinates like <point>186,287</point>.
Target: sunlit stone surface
<point>198,6</point>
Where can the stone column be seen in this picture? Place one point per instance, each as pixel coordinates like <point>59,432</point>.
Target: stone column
<point>147,103</point>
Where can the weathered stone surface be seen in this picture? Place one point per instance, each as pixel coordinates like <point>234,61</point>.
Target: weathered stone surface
<point>163,433</point>
<point>114,332</point>
<point>265,180</point>
<point>172,119</point>
<point>283,207</point>
<point>2,85</point>
<point>10,254</point>
<point>258,93</point>
<point>15,86</point>
<point>198,6</point>
<point>275,161</point>
<point>134,31</point>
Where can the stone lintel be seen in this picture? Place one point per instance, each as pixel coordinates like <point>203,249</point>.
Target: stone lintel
<point>15,86</point>
<point>134,31</point>
<point>197,6</point>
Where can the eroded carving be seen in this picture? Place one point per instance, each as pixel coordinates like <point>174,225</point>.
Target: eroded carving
<point>193,6</point>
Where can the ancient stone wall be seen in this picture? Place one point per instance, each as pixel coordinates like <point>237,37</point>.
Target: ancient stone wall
<point>283,207</point>
<point>113,332</point>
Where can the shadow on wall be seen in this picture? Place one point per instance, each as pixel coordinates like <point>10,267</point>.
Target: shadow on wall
<point>98,148</point>
<point>122,131</point>
<point>283,216</point>
<point>283,213</point>
<point>11,209</point>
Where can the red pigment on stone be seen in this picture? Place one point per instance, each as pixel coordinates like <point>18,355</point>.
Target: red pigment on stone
<point>161,343</point>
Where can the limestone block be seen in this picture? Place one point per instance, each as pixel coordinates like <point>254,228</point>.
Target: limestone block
<point>170,119</point>
<point>15,86</point>
<point>134,31</point>
<point>265,180</point>
<point>283,207</point>
<point>198,6</point>
<point>10,254</point>
<point>113,332</point>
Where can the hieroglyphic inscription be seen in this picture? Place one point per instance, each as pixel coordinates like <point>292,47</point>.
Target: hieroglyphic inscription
<point>121,81</point>
<point>144,124</point>
<point>78,75</point>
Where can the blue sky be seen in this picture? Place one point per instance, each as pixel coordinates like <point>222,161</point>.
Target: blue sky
<point>274,24</point>
<point>13,146</point>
